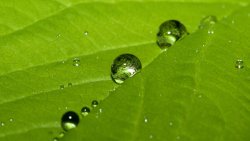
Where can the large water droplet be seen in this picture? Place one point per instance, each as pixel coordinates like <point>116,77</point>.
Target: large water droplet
<point>207,21</point>
<point>239,64</point>
<point>76,62</point>
<point>125,66</point>
<point>85,111</point>
<point>169,32</point>
<point>70,120</point>
<point>94,103</point>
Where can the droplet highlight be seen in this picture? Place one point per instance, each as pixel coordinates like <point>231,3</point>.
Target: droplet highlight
<point>239,64</point>
<point>76,62</point>
<point>69,120</point>
<point>94,103</point>
<point>124,67</point>
<point>169,32</point>
<point>207,21</point>
<point>85,111</point>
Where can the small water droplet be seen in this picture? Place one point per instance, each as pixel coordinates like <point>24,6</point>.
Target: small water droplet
<point>151,136</point>
<point>61,87</point>
<point>100,110</point>
<point>86,33</point>
<point>207,21</point>
<point>125,66</point>
<point>11,119</point>
<point>2,123</point>
<point>178,137</point>
<point>69,120</point>
<point>239,64</point>
<point>170,123</point>
<point>145,119</point>
<point>200,96</point>
<point>70,84</point>
<point>61,135</point>
<point>169,32</point>
<point>94,103</point>
<point>210,32</point>
<point>55,139</point>
<point>76,62</point>
<point>58,35</point>
<point>85,111</point>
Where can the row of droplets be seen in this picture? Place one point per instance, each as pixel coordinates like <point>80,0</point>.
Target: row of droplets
<point>70,119</point>
<point>127,65</point>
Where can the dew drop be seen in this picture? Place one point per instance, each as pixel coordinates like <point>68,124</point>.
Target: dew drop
<point>208,21</point>
<point>69,120</point>
<point>86,33</point>
<point>55,139</point>
<point>70,84</point>
<point>125,66</point>
<point>170,123</point>
<point>94,103</point>
<point>61,87</point>
<point>169,32</point>
<point>61,135</point>
<point>85,111</point>
<point>2,124</point>
<point>76,62</point>
<point>178,137</point>
<point>210,32</point>
<point>11,119</point>
<point>151,136</point>
<point>145,119</point>
<point>239,64</point>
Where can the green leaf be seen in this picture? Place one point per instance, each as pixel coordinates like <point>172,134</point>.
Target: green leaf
<point>40,39</point>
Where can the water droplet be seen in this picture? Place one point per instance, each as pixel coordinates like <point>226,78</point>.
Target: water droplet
<point>61,87</point>
<point>61,134</point>
<point>58,35</point>
<point>125,66</point>
<point>178,137</point>
<point>100,110</point>
<point>169,32</point>
<point>70,120</point>
<point>94,103</point>
<point>145,119</point>
<point>2,123</point>
<point>86,33</point>
<point>85,111</point>
<point>210,32</point>
<point>55,139</point>
<point>239,64</point>
<point>70,84</point>
<point>207,21</point>
<point>200,96</point>
<point>76,62</point>
<point>170,123</point>
<point>11,119</point>
<point>151,136</point>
